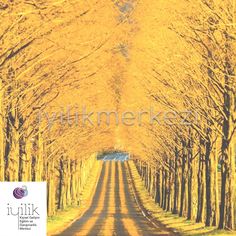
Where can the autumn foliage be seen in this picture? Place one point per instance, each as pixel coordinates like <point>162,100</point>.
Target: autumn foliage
<point>122,56</point>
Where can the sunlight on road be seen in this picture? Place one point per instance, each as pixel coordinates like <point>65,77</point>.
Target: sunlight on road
<point>97,211</point>
<point>113,210</point>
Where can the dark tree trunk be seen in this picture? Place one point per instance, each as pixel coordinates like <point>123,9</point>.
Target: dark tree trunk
<point>169,187</point>
<point>208,183</point>
<point>176,183</point>
<point>157,197</point>
<point>183,180</point>
<point>190,176</point>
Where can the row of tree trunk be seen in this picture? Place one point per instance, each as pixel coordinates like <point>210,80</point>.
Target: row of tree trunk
<point>66,181</point>
<point>197,186</point>
<point>35,159</point>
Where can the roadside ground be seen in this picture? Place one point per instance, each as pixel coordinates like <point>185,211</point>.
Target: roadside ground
<point>65,218</point>
<point>181,224</point>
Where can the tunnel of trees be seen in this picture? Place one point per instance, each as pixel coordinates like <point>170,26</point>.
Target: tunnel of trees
<point>53,60</point>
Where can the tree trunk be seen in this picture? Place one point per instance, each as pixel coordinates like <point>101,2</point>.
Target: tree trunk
<point>13,146</point>
<point>62,185</point>
<point>169,188</point>
<point>158,192</point>
<point>176,182</point>
<point>208,183</point>
<point>183,181</point>
<point>2,161</point>
<point>227,160</point>
<point>25,161</point>
<point>200,180</point>
<point>190,176</point>
<point>51,188</point>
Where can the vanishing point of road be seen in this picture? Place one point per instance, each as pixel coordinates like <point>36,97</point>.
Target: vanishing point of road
<point>113,210</point>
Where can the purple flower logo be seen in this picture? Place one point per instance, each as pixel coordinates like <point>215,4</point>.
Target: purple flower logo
<point>19,193</point>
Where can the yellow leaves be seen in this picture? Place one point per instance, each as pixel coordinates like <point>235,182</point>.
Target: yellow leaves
<point>116,55</point>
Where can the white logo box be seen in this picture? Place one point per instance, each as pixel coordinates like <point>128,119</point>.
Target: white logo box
<point>23,213</point>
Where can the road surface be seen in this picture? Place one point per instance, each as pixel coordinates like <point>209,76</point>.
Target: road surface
<point>113,210</point>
